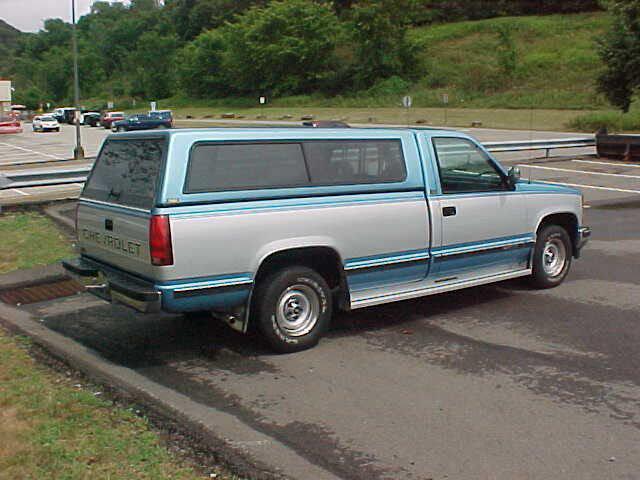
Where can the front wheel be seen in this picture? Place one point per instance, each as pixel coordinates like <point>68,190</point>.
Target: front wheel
<point>551,257</point>
<point>292,308</point>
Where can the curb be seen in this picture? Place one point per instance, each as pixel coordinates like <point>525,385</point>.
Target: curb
<point>246,451</point>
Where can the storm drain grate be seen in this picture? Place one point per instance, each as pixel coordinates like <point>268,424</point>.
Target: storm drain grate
<point>40,293</point>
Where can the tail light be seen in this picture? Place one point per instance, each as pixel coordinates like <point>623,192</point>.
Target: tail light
<point>160,241</point>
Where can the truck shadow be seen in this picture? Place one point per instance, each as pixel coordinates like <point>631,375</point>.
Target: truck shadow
<point>136,341</point>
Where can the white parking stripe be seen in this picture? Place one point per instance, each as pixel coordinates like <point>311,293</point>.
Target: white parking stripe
<point>585,172</point>
<point>590,186</point>
<point>620,164</point>
<point>31,151</point>
<point>20,192</point>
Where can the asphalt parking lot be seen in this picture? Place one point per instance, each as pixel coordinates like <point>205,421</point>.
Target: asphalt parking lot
<point>496,382</point>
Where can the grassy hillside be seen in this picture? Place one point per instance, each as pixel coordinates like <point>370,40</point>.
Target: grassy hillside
<point>8,34</point>
<point>8,40</point>
<point>556,63</point>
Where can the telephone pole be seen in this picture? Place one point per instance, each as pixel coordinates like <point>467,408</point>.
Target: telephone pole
<point>78,151</point>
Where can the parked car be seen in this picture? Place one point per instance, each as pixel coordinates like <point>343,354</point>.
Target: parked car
<point>91,118</point>
<point>140,121</point>
<point>45,123</point>
<point>10,125</point>
<point>109,117</point>
<point>281,227</point>
<point>163,114</point>
<point>64,115</point>
<point>86,114</point>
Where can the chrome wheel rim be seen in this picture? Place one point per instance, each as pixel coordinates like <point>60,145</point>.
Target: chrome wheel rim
<point>554,257</point>
<point>297,310</point>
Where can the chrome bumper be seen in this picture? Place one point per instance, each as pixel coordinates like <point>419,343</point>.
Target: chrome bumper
<point>113,285</point>
<point>584,234</point>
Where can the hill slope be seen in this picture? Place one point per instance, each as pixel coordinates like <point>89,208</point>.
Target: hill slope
<point>8,35</point>
<point>551,62</point>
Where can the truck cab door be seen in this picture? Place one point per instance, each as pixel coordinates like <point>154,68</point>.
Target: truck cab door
<point>482,220</point>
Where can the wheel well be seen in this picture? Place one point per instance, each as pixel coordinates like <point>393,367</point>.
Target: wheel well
<point>568,221</point>
<point>324,260</point>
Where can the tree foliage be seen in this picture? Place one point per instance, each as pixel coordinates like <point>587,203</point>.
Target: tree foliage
<point>217,48</point>
<point>620,51</point>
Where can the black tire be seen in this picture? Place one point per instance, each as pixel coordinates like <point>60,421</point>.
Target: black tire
<point>551,257</point>
<point>121,129</point>
<point>279,301</point>
<point>58,129</point>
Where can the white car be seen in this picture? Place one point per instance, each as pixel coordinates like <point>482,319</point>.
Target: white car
<point>44,123</point>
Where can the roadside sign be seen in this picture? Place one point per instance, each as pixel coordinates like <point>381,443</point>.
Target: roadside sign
<point>110,105</point>
<point>407,101</point>
<point>5,91</point>
<point>263,100</point>
<point>445,98</point>
<point>154,106</point>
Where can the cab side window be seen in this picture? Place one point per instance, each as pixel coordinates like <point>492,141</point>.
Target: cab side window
<point>465,168</point>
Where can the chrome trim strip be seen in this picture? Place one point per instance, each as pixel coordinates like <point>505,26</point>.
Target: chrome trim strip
<point>432,290</point>
<point>362,264</point>
<point>114,205</point>
<point>218,284</point>
<point>447,252</point>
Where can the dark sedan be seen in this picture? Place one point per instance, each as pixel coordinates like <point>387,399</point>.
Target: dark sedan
<point>140,121</point>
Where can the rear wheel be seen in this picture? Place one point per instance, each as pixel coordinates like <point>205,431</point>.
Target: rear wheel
<point>292,308</point>
<point>121,129</point>
<point>551,257</point>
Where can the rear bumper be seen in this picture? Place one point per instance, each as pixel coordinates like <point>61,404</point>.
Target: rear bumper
<point>584,234</point>
<point>114,286</point>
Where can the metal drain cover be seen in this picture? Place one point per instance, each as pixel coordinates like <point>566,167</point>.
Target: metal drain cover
<point>40,293</point>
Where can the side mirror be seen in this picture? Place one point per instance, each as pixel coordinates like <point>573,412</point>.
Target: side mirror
<point>514,176</point>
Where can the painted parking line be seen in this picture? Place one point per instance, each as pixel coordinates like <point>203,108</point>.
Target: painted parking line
<point>30,151</point>
<point>20,192</point>
<point>581,172</point>
<point>614,164</point>
<point>578,185</point>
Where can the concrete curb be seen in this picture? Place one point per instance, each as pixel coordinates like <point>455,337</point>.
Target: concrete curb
<point>32,276</point>
<point>246,451</point>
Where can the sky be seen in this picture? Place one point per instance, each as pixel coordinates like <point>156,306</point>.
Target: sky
<point>29,15</point>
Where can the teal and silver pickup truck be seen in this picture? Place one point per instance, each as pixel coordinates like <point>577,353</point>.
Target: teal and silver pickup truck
<point>280,228</point>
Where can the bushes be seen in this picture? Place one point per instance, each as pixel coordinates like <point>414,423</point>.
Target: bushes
<point>614,122</point>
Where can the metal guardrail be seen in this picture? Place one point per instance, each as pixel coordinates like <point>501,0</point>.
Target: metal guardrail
<point>43,177</point>
<point>61,176</point>
<point>547,145</point>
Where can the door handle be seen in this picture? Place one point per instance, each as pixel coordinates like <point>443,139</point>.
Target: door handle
<point>449,211</point>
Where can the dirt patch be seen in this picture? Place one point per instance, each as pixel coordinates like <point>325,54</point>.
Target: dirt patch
<point>12,429</point>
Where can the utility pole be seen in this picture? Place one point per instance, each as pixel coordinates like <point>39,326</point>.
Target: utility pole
<point>78,151</point>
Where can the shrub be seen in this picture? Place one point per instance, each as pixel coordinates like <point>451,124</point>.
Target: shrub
<point>614,122</point>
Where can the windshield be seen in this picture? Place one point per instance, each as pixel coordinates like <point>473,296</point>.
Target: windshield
<point>126,172</point>
<point>47,119</point>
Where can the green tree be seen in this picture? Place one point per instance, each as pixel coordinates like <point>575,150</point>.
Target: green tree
<point>379,32</point>
<point>154,75</point>
<point>620,51</point>
<point>284,48</point>
<point>200,70</point>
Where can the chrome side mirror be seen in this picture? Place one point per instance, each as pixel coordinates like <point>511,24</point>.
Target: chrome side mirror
<point>514,176</point>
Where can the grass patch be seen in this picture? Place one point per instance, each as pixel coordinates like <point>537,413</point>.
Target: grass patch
<point>556,62</point>
<point>30,239</point>
<point>50,428</point>
<point>558,120</point>
<point>612,121</point>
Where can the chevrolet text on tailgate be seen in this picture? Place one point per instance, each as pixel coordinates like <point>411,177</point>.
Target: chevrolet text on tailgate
<point>281,227</point>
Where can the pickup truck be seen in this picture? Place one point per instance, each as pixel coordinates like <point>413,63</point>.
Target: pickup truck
<point>141,121</point>
<point>109,117</point>
<point>279,228</point>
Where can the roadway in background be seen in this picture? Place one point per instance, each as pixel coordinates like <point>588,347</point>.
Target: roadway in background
<point>598,179</point>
